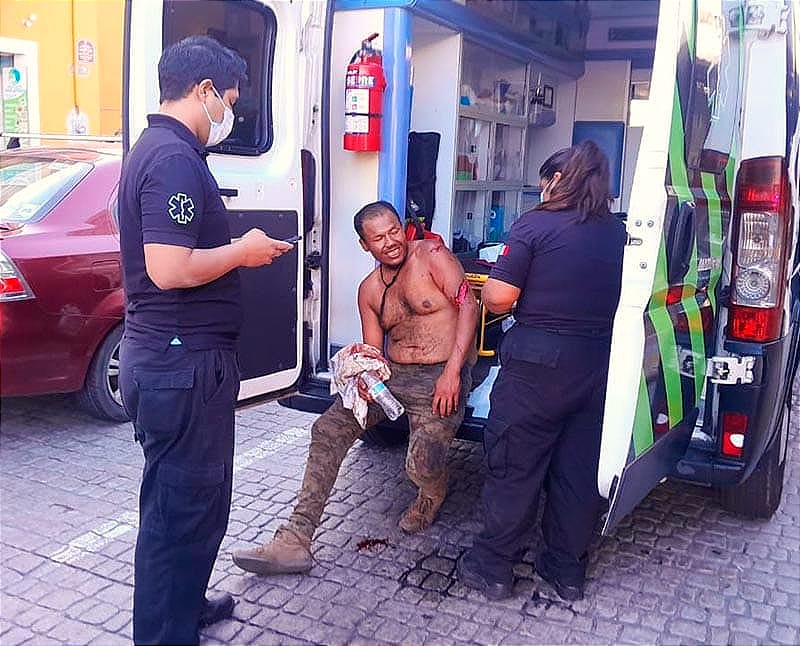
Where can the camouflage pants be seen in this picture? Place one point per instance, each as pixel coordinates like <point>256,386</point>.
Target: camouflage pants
<point>336,430</point>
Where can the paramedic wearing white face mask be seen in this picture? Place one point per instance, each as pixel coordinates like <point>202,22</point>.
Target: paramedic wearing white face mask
<point>179,375</point>
<point>562,272</point>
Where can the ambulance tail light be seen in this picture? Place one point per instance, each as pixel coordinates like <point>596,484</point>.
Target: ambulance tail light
<point>12,283</point>
<point>760,232</point>
<point>734,428</point>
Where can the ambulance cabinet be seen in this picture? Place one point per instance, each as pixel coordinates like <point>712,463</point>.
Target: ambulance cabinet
<point>490,147</point>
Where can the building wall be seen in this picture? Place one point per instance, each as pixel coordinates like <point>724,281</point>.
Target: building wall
<point>97,88</point>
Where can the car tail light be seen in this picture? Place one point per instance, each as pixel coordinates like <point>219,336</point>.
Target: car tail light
<point>734,427</point>
<point>760,232</point>
<point>12,283</point>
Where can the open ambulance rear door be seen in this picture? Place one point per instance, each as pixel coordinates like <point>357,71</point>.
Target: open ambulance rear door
<point>258,167</point>
<point>667,322</point>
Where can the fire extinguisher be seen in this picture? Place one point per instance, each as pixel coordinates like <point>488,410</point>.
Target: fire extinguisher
<point>363,97</point>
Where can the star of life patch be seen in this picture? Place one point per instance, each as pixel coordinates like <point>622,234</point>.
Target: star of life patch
<point>181,208</point>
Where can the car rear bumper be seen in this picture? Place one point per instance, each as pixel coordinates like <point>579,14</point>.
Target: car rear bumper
<point>762,401</point>
<point>43,353</point>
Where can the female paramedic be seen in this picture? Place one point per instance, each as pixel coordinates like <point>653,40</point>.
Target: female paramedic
<point>562,266</point>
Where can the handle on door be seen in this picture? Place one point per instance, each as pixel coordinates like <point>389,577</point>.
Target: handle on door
<point>229,192</point>
<point>680,240</point>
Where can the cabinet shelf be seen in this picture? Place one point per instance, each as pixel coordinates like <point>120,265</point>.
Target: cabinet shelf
<point>496,117</point>
<point>477,185</point>
<point>490,148</point>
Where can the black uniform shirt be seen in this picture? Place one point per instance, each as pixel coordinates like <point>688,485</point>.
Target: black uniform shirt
<point>167,195</point>
<point>570,273</point>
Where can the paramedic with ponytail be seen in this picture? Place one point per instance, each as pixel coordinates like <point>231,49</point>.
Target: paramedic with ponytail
<point>562,267</point>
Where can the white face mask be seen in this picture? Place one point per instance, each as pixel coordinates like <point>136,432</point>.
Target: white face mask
<point>219,131</point>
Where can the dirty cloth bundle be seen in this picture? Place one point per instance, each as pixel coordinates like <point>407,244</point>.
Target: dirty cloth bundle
<point>348,365</point>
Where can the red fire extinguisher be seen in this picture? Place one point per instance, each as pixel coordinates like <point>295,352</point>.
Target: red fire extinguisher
<point>363,97</point>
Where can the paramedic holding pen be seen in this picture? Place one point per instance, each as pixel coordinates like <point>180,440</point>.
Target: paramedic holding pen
<point>179,375</point>
<point>563,268</point>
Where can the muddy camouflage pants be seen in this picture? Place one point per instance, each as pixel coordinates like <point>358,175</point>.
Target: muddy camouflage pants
<point>336,430</point>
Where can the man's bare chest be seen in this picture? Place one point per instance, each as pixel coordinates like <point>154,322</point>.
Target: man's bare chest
<point>412,295</point>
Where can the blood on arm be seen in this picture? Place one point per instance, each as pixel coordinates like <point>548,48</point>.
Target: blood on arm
<point>463,292</point>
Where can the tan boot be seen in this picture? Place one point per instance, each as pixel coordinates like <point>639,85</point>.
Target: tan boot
<point>288,553</point>
<point>420,515</point>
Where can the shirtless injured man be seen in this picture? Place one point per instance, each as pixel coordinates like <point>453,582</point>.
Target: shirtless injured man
<point>418,298</point>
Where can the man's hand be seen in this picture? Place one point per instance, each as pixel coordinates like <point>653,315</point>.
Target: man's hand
<point>258,249</point>
<point>363,391</point>
<point>446,393</point>
<point>371,351</point>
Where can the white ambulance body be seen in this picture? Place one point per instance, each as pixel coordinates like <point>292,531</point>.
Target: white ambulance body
<point>694,101</point>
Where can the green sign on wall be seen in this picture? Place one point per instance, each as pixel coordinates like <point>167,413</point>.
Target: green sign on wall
<point>15,100</point>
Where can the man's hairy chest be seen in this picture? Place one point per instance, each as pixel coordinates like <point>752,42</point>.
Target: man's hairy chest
<point>412,297</point>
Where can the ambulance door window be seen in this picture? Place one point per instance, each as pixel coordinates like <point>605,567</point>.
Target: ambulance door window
<point>249,28</point>
<point>714,90</point>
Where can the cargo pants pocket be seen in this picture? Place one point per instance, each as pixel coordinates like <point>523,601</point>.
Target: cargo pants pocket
<point>189,499</point>
<point>164,404</point>
<point>533,348</point>
<point>495,448</point>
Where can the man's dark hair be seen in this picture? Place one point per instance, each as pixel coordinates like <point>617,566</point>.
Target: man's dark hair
<point>584,183</point>
<point>191,60</point>
<point>372,210</point>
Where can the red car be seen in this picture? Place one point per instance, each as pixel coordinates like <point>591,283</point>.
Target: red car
<point>61,298</point>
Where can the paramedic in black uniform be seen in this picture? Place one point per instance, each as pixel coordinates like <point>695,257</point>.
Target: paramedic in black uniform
<point>563,268</point>
<point>179,375</point>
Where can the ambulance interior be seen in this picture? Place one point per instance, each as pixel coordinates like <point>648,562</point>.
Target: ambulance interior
<point>511,115</point>
<point>500,115</point>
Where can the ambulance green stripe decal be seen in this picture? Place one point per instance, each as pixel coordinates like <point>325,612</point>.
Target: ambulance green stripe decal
<point>680,183</point>
<point>715,234</point>
<point>643,422</point>
<point>696,337</point>
<point>665,333</point>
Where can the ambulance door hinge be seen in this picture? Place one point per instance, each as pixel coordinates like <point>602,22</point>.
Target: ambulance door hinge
<point>731,370</point>
<point>313,260</point>
<point>766,16</point>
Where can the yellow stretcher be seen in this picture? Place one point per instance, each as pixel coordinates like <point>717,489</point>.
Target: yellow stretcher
<point>477,281</point>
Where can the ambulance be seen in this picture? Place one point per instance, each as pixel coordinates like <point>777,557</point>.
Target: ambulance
<point>447,108</point>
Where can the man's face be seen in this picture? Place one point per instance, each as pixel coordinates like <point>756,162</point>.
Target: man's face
<point>385,239</point>
<point>207,94</point>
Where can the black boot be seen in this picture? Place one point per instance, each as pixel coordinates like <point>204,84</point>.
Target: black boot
<point>564,590</point>
<point>472,578</point>
<point>217,608</point>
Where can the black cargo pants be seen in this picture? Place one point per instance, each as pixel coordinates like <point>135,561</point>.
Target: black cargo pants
<point>181,403</point>
<point>544,428</point>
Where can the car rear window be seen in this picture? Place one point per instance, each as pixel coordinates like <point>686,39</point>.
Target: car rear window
<point>31,186</point>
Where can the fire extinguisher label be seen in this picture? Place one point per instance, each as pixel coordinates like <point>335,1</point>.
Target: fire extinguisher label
<point>356,101</point>
<point>356,124</point>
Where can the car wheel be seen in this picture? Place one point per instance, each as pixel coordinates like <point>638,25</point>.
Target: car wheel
<point>101,394</point>
<point>760,495</point>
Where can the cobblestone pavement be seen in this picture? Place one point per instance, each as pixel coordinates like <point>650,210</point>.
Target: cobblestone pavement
<point>679,570</point>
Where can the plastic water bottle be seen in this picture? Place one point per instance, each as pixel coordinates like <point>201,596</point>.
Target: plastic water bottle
<point>383,396</point>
